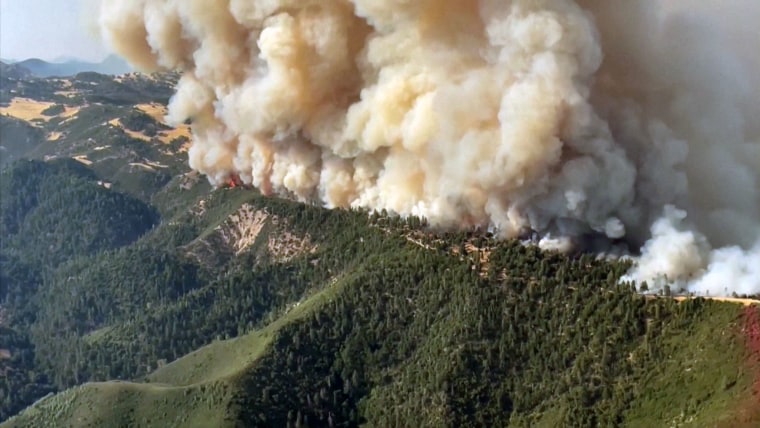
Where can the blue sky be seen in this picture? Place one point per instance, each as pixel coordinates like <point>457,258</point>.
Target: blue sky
<point>49,29</point>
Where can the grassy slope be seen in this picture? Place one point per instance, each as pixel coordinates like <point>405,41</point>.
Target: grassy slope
<point>225,359</point>
<point>126,404</point>
<point>702,374</point>
<point>702,371</point>
<point>88,133</point>
<point>193,391</point>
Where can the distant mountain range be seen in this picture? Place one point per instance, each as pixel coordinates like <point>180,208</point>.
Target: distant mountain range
<point>40,68</point>
<point>14,71</point>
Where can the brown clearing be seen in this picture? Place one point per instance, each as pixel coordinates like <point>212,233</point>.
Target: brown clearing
<point>136,135</point>
<point>26,109</point>
<point>69,112</point>
<point>83,160</point>
<point>154,110</point>
<point>167,137</point>
<point>158,113</point>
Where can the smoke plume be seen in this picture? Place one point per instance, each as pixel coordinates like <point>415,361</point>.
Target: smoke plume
<point>634,121</point>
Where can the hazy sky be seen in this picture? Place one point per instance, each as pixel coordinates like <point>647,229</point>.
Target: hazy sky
<point>48,29</point>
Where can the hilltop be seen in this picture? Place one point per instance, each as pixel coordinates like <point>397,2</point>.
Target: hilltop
<point>344,319</point>
<point>133,294</point>
<point>113,124</point>
<point>14,71</point>
<point>36,67</point>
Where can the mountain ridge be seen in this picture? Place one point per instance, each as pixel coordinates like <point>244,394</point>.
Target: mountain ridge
<point>196,306</point>
<point>112,65</point>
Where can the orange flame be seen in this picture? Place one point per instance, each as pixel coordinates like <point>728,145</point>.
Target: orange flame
<point>234,181</point>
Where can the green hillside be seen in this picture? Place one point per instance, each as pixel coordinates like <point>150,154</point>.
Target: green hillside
<point>17,138</point>
<point>50,213</point>
<point>132,294</point>
<point>370,327</point>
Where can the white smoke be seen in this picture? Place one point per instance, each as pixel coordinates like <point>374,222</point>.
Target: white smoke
<point>638,121</point>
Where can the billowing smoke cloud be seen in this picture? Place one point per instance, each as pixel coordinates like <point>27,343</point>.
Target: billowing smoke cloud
<point>634,121</point>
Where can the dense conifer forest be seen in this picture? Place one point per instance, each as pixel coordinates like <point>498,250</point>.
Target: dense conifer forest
<point>414,327</point>
<point>133,294</point>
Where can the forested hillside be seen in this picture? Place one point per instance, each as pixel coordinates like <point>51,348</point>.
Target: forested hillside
<point>88,193</point>
<point>143,298</point>
<point>50,213</point>
<point>367,320</point>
